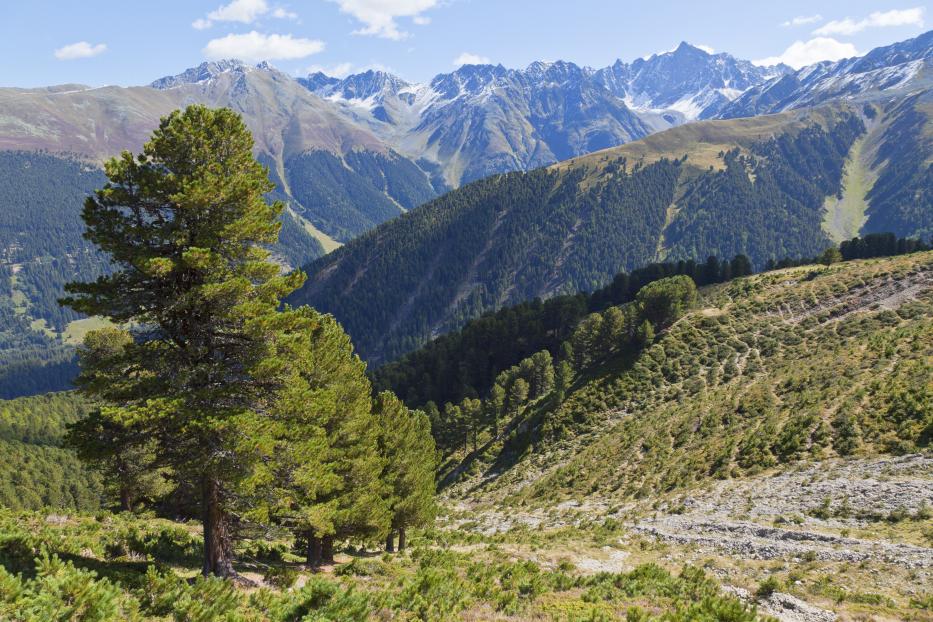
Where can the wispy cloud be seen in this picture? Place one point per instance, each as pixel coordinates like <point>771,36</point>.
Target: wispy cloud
<point>878,19</point>
<point>283,13</point>
<point>242,11</point>
<point>802,53</point>
<point>81,49</point>
<point>802,20</point>
<point>706,48</point>
<point>379,16</point>
<point>340,70</point>
<point>255,46</point>
<point>466,58</point>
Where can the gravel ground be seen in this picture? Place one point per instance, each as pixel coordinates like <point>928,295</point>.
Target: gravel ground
<point>794,515</point>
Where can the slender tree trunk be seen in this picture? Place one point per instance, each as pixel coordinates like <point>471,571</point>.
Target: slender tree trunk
<point>327,549</point>
<point>401,539</point>
<point>218,551</point>
<point>390,543</point>
<point>126,499</point>
<point>315,551</point>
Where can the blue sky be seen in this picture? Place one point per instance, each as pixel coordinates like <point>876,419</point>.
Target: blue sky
<point>131,42</point>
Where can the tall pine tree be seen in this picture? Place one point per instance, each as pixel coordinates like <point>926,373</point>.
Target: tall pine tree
<point>185,225</point>
<point>408,448</point>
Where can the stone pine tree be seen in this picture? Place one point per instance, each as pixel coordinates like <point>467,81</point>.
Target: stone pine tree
<point>325,474</point>
<point>185,224</point>
<point>125,457</point>
<point>408,448</point>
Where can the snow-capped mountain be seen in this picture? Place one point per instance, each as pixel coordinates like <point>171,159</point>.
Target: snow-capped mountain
<point>688,80</point>
<point>901,66</point>
<point>205,72</point>
<point>483,119</point>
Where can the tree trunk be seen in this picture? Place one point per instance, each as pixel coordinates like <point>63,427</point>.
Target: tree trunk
<point>390,543</point>
<point>218,551</point>
<point>314,553</point>
<point>327,549</point>
<point>126,499</point>
<point>401,539</point>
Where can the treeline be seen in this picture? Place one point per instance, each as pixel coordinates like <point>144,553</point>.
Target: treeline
<point>619,331</point>
<point>864,247</point>
<point>36,472</point>
<point>464,363</point>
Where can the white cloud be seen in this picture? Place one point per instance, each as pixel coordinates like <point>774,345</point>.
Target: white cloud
<point>340,70</point>
<point>254,46</point>
<point>706,48</point>
<point>242,11</point>
<point>803,53</point>
<point>421,20</point>
<point>378,16</point>
<point>878,19</point>
<point>81,49</point>
<point>282,13</point>
<point>470,59</point>
<point>802,20</point>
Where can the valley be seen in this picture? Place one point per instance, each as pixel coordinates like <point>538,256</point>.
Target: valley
<point>302,339</point>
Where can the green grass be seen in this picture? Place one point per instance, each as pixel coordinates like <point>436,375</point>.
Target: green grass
<point>845,217</point>
<point>119,567</point>
<point>76,331</point>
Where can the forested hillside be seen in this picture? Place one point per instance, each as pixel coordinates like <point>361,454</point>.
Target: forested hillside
<point>36,472</point>
<point>464,363</point>
<point>713,188</point>
<point>901,200</point>
<point>40,239</point>
<point>42,248</point>
<point>346,196</point>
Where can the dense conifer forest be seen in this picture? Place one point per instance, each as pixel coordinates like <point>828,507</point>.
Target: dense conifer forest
<point>36,471</point>
<point>901,200</point>
<point>345,197</point>
<point>465,362</point>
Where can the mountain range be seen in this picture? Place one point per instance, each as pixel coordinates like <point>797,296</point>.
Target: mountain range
<point>650,152</point>
<point>486,119</point>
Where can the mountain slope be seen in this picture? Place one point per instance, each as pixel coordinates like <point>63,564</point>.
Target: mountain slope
<point>686,80</point>
<point>902,67</point>
<point>800,364</point>
<point>572,227</point>
<point>36,471</point>
<point>287,122</point>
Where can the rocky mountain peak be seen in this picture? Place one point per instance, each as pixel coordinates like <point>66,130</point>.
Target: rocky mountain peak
<point>209,70</point>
